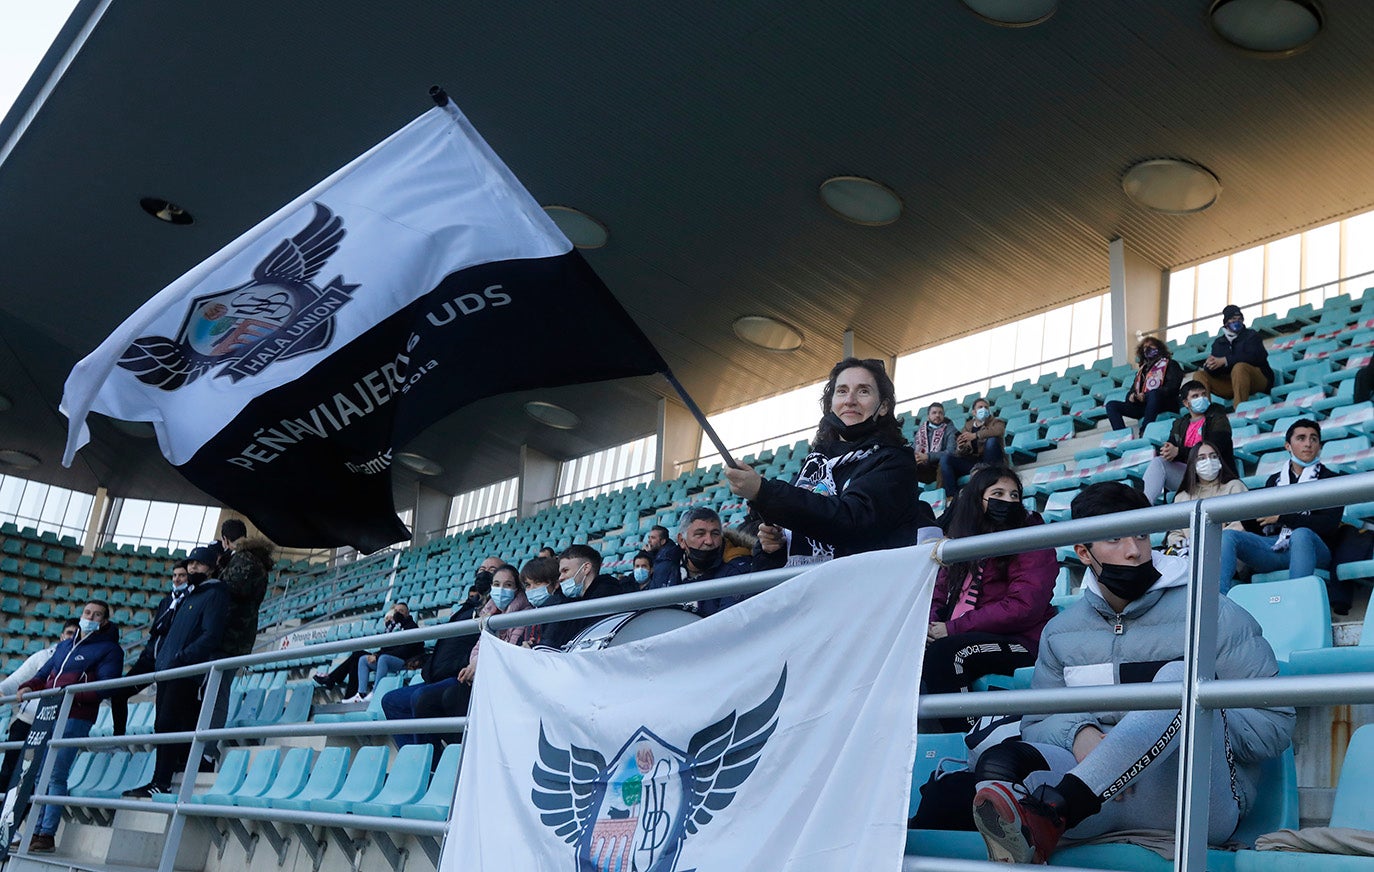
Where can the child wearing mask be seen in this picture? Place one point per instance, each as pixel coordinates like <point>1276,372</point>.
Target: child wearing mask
<point>1208,475</point>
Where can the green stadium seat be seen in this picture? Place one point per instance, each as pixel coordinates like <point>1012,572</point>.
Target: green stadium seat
<point>290,780</point>
<point>438,799</point>
<point>255,782</point>
<point>405,783</point>
<point>13,547</point>
<point>1294,615</point>
<point>364,781</point>
<point>88,768</point>
<point>233,769</point>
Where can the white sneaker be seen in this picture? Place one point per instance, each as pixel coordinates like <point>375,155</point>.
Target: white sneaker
<point>357,697</point>
<point>365,697</point>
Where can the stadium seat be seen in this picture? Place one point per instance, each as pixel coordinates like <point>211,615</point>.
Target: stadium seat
<point>373,712</point>
<point>1345,659</point>
<point>327,776</point>
<point>364,781</point>
<point>88,768</point>
<point>255,780</point>
<point>405,783</point>
<point>1294,615</point>
<point>113,776</point>
<point>438,799</point>
<point>290,780</point>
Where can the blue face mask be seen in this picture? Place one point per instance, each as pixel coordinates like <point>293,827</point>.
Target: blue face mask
<point>572,588</point>
<point>1234,326</point>
<point>502,597</point>
<point>179,588</point>
<point>1296,462</point>
<point>89,626</point>
<point>1200,404</point>
<point>981,413</point>
<point>641,574</point>
<point>537,595</point>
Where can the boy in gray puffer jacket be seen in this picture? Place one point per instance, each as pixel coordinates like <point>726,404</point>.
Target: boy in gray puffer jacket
<point>1089,773</point>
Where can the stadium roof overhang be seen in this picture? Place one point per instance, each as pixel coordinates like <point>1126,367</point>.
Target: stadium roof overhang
<point>699,134</point>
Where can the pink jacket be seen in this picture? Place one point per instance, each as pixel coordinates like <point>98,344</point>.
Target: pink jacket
<point>1015,600</point>
<point>513,635</point>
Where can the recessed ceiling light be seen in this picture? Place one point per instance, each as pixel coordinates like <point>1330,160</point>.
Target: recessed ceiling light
<point>5,404</point>
<point>1272,28</point>
<point>551,415</point>
<point>861,200</point>
<point>13,459</point>
<point>582,230</point>
<point>1177,187</point>
<point>165,210</point>
<point>419,463</point>
<point>1013,13</point>
<point>769,333</point>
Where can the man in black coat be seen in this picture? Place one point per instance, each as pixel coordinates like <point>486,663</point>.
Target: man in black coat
<point>579,578</point>
<point>162,622</point>
<point>1239,363</point>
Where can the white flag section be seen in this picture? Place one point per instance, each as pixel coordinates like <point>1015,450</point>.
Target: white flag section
<point>778,734</point>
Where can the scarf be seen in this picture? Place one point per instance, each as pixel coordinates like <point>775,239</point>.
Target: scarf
<point>1151,376</point>
<point>1229,334</point>
<point>818,476</point>
<point>930,438</point>
<point>973,589</point>
<point>1286,478</point>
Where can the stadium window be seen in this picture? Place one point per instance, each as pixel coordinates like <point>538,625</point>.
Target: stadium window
<point>44,507</point>
<point>485,505</point>
<point>154,523</point>
<point>610,469</point>
<point>768,423</point>
<point>1321,263</point>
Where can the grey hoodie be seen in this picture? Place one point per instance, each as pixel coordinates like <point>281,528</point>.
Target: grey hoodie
<point>1079,648</point>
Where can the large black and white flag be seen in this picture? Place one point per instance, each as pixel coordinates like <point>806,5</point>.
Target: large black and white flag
<point>280,373</point>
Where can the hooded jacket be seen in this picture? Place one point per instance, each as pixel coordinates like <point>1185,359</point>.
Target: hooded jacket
<point>93,657</point>
<point>1081,648</point>
<point>1247,347</point>
<point>848,498</point>
<point>245,580</point>
<point>198,624</point>
<point>1015,596</point>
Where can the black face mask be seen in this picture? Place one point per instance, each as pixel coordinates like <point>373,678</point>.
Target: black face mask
<point>851,432</point>
<point>1127,582</point>
<point>483,583</point>
<point>706,559</point>
<point>195,578</point>
<point>1007,513</point>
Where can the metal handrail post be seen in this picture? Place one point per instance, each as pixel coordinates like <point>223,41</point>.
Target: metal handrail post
<point>49,760</point>
<point>1197,741</point>
<point>176,824</point>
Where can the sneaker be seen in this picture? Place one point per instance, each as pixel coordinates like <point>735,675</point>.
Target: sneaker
<point>1017,827</point>
<point>41,843</point>
<point>322,679</point>
<point>145,792</point>
<point>357,697</point>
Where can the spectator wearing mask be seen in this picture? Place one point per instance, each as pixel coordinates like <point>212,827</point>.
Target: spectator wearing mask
<point>1204,421</point>
<point>702,550</point>
<point>1239,363</point>
<point>196,635</point>
<point>1088,774</point>
<point>980,442</point>
<point>935,437</point>
<point>507,596</point>
<point>447,659</point>
<point>540,579</point>
<point>372,668</point>
<point>1155,387</point>
<point>1208,476</point>
<point>579,578</point>
<point>986,615</point>
<point>93,655</point>
<point>162,622</point>
<point>24,714</point>
<point>857,489</point>
<point>1299,541</point>
<point>643,569</point>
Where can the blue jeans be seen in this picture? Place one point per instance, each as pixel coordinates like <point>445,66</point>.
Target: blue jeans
<point>1306,553</point>
<point>399,705</point>
<point>51,815</point>
<point>953,466</point>
<point>385,665</point>
<point>1146,412</point>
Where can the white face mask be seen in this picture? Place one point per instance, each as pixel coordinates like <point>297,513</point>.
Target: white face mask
<point>1208,468</point>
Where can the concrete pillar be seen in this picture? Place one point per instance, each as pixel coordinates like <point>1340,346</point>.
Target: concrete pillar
<point>1139,298</point>
<point>857,346</point>
<point>431,512</point>
<point>538,481</point>
<point>679,439</point>
<point>100,508</point>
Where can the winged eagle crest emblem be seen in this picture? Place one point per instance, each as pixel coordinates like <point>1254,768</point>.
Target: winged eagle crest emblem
<point>278,314</point>
<point>636,812</point>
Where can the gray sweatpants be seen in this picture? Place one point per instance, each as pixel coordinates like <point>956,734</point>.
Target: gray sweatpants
<point>1135,772</point>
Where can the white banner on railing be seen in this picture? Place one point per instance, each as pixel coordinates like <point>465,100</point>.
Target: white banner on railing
<point>777,734</point>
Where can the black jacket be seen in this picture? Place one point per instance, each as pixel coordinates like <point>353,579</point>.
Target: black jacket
<point>1324,522</point>
<point>876,505</point>
<point>1173,379</point>
<point>1247,347</point>
<point>451,655</point>
<point>560,633</point>
<point>162,622</point>
<point>1216,429</point>
<point>408,650</point>
<point>197,631</point>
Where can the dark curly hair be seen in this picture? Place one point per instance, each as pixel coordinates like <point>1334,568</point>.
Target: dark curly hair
<point>888,429</point>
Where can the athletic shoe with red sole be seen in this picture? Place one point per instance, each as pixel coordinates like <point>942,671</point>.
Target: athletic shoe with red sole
<point>1016,829</point>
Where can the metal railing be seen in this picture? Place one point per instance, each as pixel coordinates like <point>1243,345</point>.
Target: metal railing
<point>1199,692</point>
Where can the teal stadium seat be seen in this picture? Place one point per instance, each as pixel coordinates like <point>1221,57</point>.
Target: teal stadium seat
<point>88,768</point>
<point>438,798</point>
<point>405,783</point>
<point>290,780</point>
<point>1294,615</point>
<point>256,781</point>
<point>1345,659</point>
<point>364,781</point>
<point>326,778</point>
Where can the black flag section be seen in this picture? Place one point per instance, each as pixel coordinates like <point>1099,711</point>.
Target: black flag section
<point>310,462</point>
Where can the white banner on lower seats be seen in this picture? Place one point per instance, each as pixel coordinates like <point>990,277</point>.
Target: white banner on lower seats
<point>778,734</point>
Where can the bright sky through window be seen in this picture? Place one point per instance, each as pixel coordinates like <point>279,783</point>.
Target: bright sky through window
<point>27,28</point>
